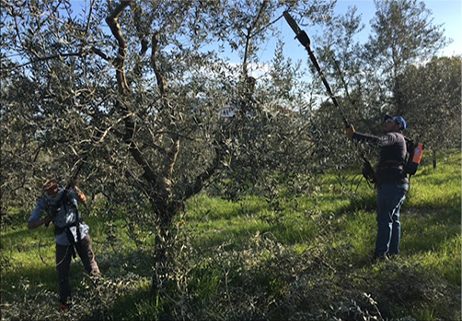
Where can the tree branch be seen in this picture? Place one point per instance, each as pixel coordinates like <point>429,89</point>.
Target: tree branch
<point>250,35</point>
<point>119,62</point>
<point>204,176</point>
<point>161,82</point>
<point>71,54</point>
<point>124,90</point>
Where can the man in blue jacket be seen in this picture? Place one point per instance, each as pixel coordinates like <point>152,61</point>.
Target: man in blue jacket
<point>391,182</point>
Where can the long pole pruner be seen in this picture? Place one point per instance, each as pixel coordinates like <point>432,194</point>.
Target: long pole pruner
<point>305,41</point>
<point>302,36</point>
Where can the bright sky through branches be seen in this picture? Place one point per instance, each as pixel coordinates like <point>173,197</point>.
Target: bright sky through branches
<point>444,12</point>
<point>447,13</point>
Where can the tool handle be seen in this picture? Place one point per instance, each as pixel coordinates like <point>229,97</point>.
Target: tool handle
<point>305,41</point>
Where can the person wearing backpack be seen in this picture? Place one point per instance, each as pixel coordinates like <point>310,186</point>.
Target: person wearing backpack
<point>72,234</point>
<point>391,183</point>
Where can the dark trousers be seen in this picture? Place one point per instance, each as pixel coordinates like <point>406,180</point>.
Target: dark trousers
<point>63,262</point>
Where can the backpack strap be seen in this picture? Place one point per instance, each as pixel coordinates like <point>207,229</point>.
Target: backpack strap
<point>70,236</point>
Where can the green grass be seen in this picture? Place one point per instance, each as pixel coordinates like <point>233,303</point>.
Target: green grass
<point>297,258</point>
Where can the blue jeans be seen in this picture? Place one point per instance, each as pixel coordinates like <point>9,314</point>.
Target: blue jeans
<point>390,197</point>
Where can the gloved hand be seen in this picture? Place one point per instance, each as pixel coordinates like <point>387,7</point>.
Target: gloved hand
<point>350,130</point>
<point>47,220</point>
<point>73,181</point>
<point>80,195</point>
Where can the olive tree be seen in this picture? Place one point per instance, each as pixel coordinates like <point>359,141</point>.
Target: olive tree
<point>432,94</point>
<point>403,33</point>
<point>134,89</point>
<point>368,79</point>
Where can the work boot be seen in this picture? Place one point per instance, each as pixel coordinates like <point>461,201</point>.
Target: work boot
<point>65,307</point>
<point>392,256</point>
<point>376,257</point>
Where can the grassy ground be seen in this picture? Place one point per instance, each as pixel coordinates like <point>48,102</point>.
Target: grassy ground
<point>289,258</point>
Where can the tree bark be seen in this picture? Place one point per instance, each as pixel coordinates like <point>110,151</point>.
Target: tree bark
<point>163,244</point>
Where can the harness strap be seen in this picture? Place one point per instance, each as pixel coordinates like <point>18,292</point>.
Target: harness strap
<point>70,236</point>
<point>400,167</point>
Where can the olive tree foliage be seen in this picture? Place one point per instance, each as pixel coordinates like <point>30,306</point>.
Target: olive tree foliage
<point>56,96</point>
<point>367,78</point>
<point>432,95</point>
<point>338,51</point>
<point>338,54</point>
<point>403,33</point>
<point>134,89</point>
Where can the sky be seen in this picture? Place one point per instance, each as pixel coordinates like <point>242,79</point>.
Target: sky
<point>447,13</point>
<point>444,12</point>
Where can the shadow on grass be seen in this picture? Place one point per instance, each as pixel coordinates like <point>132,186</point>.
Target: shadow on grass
<point>35,277</point>
<point>363,202</point>
<point>42,275</point>
<point>427,230</point>
<point>206,210</point>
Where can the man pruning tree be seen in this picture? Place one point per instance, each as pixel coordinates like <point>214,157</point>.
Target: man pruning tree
<point>392,170</point>
<point>72,234</point>
<point>391,182</point>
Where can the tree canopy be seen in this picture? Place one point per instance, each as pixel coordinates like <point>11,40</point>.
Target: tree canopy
<point>135,89</point>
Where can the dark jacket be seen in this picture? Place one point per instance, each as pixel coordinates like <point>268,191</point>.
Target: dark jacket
<point>393,151</point>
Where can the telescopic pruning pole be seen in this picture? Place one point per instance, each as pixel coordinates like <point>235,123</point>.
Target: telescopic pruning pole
<point>305,41</point>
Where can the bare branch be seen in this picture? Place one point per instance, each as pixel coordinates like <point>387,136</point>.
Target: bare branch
<point>204,176</point>
<point>92,4</point>
<point>124,90</point>
<point>71,54</point>
<point>122,44</point>
<point>161,82</point>
<point>100,53</point>
<point>112,126</point>
<point>249,36</point>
